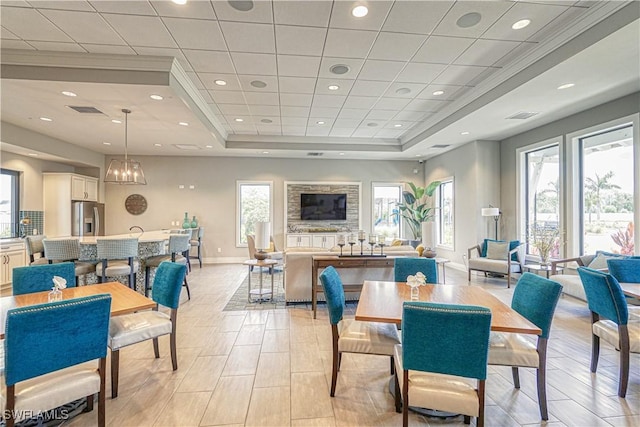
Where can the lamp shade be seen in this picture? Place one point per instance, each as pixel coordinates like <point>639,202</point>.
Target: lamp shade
<point>127,171</point>
<point>490,211</point>
<point>263,235</point>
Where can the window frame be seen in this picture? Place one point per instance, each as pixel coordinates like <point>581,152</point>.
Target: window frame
<point>401,188</point>
<point>15,199</point>
<point>239,185</point>
<point>439,213</point>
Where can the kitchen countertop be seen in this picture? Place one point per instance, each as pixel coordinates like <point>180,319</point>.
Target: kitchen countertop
<point>147,236</point>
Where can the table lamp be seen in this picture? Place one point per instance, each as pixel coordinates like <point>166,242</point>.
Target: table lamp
<point>262,239</point>
<point>495,213</point>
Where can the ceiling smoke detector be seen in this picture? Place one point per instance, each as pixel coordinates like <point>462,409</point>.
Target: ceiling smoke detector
<point>440,145</point>
<point>339,69</point>
<point>241,5</point>
<point>522,115</point>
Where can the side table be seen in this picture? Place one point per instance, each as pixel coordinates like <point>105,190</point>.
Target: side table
<point>537,268</point>
<point>260,294</point>
<point>442,261</point>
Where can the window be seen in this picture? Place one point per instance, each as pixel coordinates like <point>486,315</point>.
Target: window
<point>9,202</point>
<point>386,221</point>
<point>254,205</point>
<point>444,208</point>
<point>542,193</point>
<point>607,204</point>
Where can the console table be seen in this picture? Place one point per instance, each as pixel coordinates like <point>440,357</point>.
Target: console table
<point>323,261</point>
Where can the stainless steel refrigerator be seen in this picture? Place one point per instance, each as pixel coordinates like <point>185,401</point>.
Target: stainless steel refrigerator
<point>87,219</point>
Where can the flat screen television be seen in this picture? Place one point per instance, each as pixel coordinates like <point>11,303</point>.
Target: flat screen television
<point>321,206</point>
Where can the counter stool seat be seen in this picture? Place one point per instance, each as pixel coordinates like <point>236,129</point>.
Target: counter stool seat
<point>178,253</point>
<point>63,250</point>
<point>117,258</point>
<point>116,268</point>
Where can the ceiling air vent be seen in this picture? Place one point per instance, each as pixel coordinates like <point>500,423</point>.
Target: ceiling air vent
<point>522,115</point>
<point>186,146</point>
<point>85,110</point>
<point>314,154</point>
<point>440,146</point>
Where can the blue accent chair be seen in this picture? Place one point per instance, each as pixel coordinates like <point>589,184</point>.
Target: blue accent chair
<point>144,325</point>
<point>625,270</point>
<point>46,347</point>
<point>442,362</point>
<point>535,298</point>
<point>610,321</point>
<point>352,336</point>
<point>39,277</point>
<point>404,267</point>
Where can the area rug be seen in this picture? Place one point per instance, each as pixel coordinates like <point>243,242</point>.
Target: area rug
<point>239,299</point>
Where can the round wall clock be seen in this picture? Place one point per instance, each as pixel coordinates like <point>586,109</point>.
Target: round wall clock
<point>135,204</point>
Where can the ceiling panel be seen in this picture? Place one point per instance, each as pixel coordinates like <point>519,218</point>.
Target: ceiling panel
<point>415,17</point>
<point>395,46</point>
<point>349,43</point>
<point>245,37</point>
<point>292,40</point>
<point>192,9</point>
<point>207,61</point>
<point>298,66</point>
<point>261,12</point>
<point>341,16</point>
<point>141,30</point>
<point>29,24</point>
<point>84,27</point>
<point>196,33</point>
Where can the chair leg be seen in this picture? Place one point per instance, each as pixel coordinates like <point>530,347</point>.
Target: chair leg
<point>623,333</point>
<point>339,360</point>
<point>542,378</point>
<point>398,394</point>
<point>467,419</point>
<point>336,360</point>
<point>516,376</point>
<point>405,398</point>
<point>147,272</point>
<point>469,275</point>
<point>9,416</point>
<point>89,407</point>
<point>595,344</point>
<point>102,419</point>
<point>480,422</point>
<point>172,340</point>
<point>156,348</point>
<point>509,279</point>
<point>200,254</point>
<point>186,285</point>
<point>115,366</point>
<point>393,366</point>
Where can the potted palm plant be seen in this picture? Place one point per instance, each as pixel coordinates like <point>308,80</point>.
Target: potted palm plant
<point>415,207</point>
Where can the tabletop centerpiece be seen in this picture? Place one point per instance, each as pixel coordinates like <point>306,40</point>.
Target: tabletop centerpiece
<point>414,282</point>
<point>59,283</point>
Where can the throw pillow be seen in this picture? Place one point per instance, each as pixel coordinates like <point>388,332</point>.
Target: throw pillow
<point>512,245</point>
<point>420,250</point>
<point>497,250</point>
<point>396,242</point>
<point>600,261</point>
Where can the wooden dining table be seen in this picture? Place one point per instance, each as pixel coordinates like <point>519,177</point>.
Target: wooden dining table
<point>382,302</point>
<point>631,289</point>
<point>123,299</point>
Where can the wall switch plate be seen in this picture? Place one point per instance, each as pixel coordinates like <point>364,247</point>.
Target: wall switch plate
<point>181,187</point>
<point>219,250</point>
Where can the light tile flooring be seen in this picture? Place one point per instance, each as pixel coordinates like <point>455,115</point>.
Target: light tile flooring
<point>273,367</point>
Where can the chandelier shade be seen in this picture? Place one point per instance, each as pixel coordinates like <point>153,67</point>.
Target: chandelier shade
<point>127,171</point>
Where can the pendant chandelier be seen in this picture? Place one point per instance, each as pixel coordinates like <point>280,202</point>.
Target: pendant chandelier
<point>127,171</point>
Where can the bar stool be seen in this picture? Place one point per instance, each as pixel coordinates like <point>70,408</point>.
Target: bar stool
<point>178,253</point>
<point>183,231</point>
<point>117,258</point>
<point>60,250</point>
<point>35,247</point>
<point>196,242</point>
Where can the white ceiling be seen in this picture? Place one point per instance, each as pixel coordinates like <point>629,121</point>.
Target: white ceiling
<point>398,55</point>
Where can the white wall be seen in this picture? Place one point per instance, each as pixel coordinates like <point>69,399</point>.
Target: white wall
<point>476,171</point>
<point>213,201</point>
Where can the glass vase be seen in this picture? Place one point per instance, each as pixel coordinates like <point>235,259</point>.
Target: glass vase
<point>415,293</point>
<point>194,222</point>
<point>55,295</point>
<point>185,222</point>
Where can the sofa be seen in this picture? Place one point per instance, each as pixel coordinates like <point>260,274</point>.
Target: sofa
<point>297,270</point>
<point>569,279</point>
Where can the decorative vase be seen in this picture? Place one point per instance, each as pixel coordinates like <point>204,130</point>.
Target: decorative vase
<point>194,222</point>
<point>415,293</point>
<point>55,295</point>
<point>429,253</point>
<point>185,222</point>
<point>544,259</point>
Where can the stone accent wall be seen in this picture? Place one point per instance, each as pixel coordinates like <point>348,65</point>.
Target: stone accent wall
<point>296,225</point>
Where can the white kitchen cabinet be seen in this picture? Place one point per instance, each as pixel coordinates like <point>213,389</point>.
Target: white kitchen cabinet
<point>298,240</point>
<point>324,241</point>
<point>60,190</point>
<point>11,255</point>
<point>311,239</point>
<point>84,188</point>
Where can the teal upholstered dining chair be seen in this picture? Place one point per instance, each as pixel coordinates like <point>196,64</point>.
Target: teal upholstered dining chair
<point>133,328</point>
<point>535,298</point>
<point>117,258</point>
<point>610,321</point>
<point>352,336</point>
<point>404,267</point>
<point>625,270</point>
<point>178,252</point>
<point>56,353</point>
<point>61,250</point>
<point>442,362</point>
<point>38,278</point>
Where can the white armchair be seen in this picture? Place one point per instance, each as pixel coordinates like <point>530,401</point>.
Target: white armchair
<point>498,257</point>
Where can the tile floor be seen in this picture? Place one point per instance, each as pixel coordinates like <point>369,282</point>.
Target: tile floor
<point>272,368</point>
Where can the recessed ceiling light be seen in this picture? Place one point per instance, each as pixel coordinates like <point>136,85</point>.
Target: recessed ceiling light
<point>339,69</point>
<point>116,121</point>
<point>566,86</point>
<point>266,121</point>
<point>156,97</point>
<point>241,5</point>
<point>342,154</point>
<point>46,119</point>
<point>403,91</point>
<point>67,93</point>
<point>220,82</point>
<point>183,123</point>
<point>208,146</point>
<point>259,84</point>
<point>157,145</point>
<point>265,152</point>
<point>438,93</point>
<point>372,124</point>
<point>468,20</point>
<point>464,133</point>
<point>320,122</point>
<point>179,1</point>
<point>33,154</point>
<point>334,87</point>
<point>521,24</point>
<point>418,155</point>
<point>360,11</point>
<point>106,143</point>
<point>398,125</point>
<point>239,120</point>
